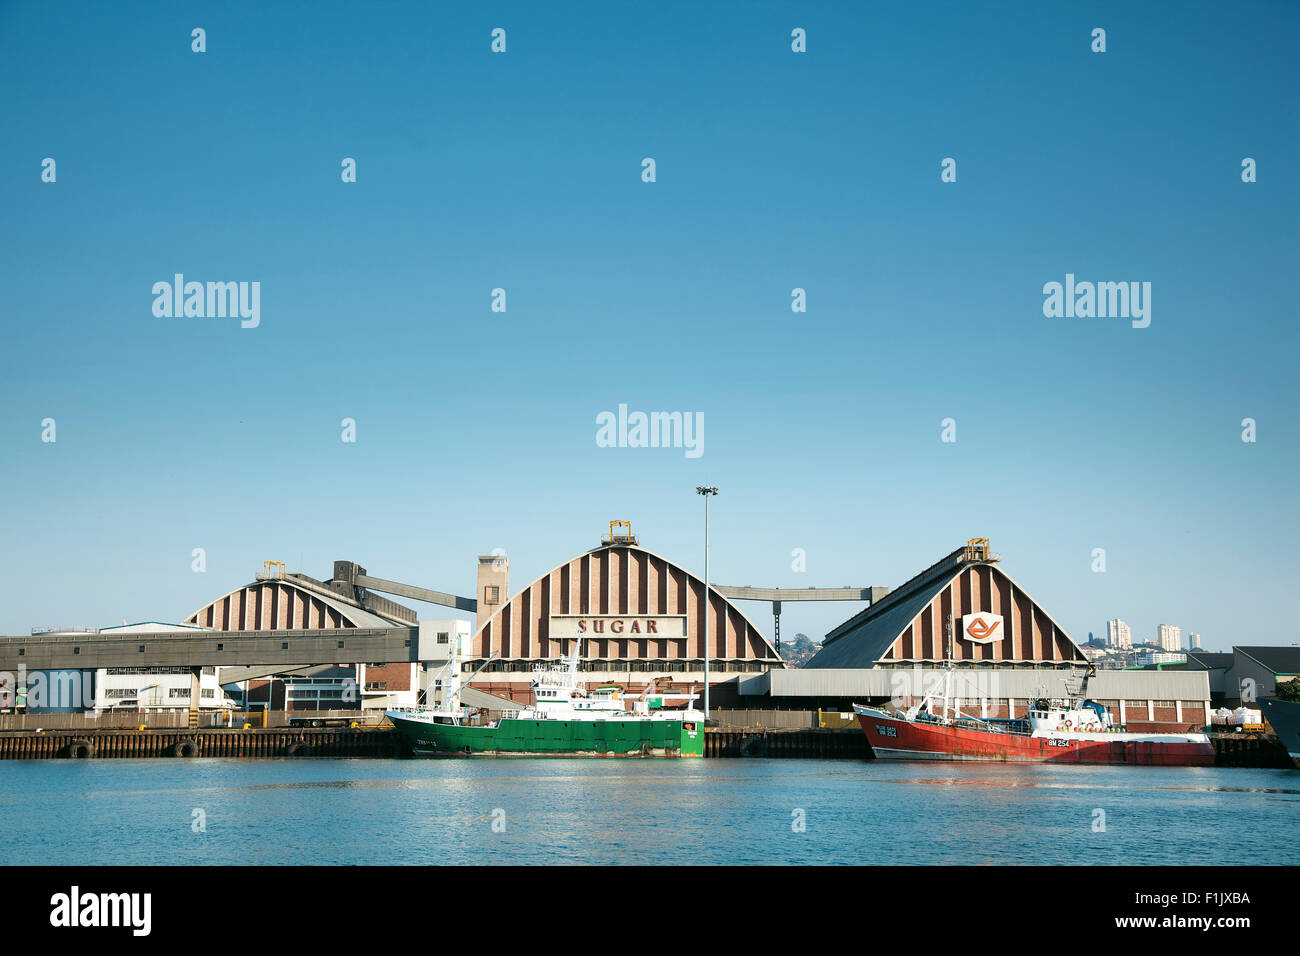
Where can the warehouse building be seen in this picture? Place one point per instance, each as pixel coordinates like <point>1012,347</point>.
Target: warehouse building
<point>963,608</point>
<point>639,618</point>
<point>1257,670</point>
<point>964,623</point>
<point>276,600</point>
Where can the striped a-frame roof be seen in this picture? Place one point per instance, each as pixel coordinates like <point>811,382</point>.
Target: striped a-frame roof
<point>909,624</point>
<point>619,579</point>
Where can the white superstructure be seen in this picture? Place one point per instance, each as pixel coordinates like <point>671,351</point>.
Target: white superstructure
<point>557,696</point>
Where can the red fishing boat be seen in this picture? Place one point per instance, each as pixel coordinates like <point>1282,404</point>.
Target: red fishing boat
<point>1053,730</point>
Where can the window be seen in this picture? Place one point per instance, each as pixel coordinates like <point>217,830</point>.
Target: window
<point>284,645</point>
<point>183,692</point>
<point>442,637</point>
<point>492,594</point>
<point>221,647</point>
<point>207,692</point>
<point>340,643</point>
<point>118,693</point>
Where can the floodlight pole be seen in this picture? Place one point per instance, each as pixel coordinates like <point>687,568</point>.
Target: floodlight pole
<point>706,491</point>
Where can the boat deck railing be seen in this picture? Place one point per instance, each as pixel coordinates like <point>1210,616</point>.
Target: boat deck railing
<point>978,723</point>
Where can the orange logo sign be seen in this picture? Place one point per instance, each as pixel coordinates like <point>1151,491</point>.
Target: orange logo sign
<point>981,627</point>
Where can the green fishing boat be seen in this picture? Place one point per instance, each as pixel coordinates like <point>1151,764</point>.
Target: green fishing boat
<point>564,721</point>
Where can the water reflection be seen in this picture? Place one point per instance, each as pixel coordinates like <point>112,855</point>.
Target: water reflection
<point>317,811</point>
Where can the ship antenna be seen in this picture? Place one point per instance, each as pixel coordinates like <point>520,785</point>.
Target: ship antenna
<point>947,677</point>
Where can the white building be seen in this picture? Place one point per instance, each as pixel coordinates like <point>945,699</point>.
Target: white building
<point>1119,635</point>
<point>1147,658</point>
<point>155,689</point>
<point>1194,641</point>
<point>1170,637</point>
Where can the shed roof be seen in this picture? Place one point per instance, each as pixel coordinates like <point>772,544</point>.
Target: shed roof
<point>874,634</point>
<point>1209,660</point>
<point>865,638</point>
<point>1278,659</point>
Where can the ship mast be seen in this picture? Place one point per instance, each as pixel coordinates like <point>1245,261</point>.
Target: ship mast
<point>458,685</point>
<point>947,674</point>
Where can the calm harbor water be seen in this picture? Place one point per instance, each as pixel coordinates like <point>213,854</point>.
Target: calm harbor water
<point>640,811</point>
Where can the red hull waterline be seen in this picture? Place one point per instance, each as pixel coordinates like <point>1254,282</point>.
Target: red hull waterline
<point>910,740</point>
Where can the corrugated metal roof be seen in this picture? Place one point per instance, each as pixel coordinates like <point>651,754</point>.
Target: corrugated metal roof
<point>150,627</point>
<point>1151,685</point>
<point>1279,660</point>
<point>1209,660</point>
<point>862,640</point>
<point>994,682</point>
<point>943,569</point>
<point>863,645</point>
<point>823,682</point>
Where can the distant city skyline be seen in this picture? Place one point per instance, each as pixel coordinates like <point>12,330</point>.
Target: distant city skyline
<point>1169,637</point>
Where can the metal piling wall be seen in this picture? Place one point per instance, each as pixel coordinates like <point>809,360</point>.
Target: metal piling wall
<point>30,745</point>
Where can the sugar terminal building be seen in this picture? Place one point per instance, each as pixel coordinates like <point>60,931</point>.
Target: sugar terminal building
<point>288,641</point>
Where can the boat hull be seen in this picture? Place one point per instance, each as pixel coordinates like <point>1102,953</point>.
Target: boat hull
<point>893,738</point>
<point>513,737</point>
<point>1284,717</point>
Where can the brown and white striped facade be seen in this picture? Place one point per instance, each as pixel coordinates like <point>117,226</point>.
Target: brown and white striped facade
<point>910,626</point>
<point>301,603</point>
<point>271,606</point>
<point>1029,634</point>
<point>613,587</point>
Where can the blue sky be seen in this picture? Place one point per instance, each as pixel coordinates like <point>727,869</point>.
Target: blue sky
<point>775,170</point>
